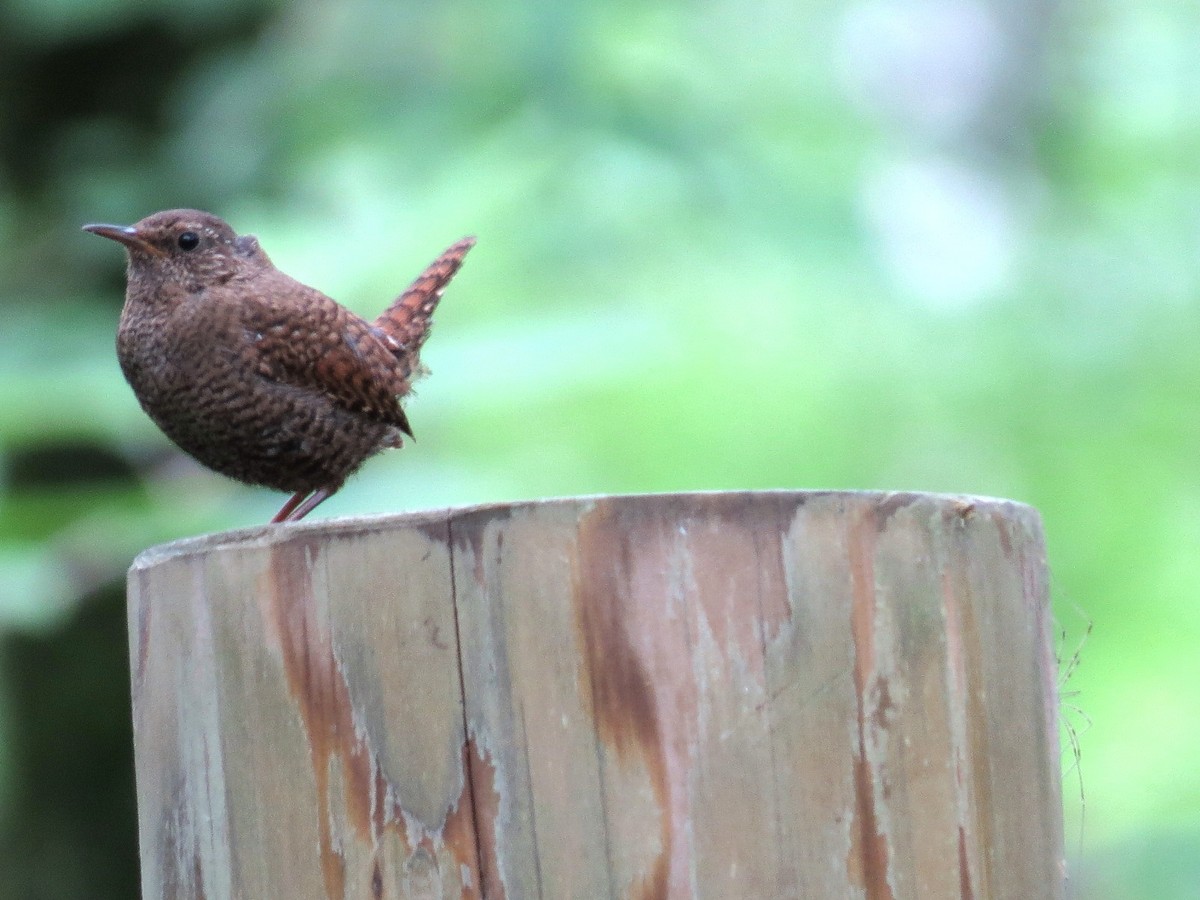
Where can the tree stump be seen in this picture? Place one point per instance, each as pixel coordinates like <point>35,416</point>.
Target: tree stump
<point>729,695</point>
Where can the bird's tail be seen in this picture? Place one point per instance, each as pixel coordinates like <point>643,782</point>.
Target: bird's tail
<point>405,324</point>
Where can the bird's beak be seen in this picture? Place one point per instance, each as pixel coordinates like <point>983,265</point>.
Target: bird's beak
<point>123,234</point>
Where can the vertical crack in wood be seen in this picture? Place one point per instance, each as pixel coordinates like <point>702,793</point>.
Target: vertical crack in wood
<point>533,827</point>
<point>490,775</point>
<point>469,748</point>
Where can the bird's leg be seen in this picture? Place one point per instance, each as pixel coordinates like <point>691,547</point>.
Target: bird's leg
<point>286,511</point>
<point>315,499</point>
<point>301,504</point>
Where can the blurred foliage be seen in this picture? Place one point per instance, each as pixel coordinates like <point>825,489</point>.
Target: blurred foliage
<point>943,245</point>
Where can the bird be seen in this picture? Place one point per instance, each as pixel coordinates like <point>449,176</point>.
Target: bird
<point>258,376</point>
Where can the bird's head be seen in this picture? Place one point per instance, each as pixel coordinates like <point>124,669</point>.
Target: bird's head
<point>183,248</point>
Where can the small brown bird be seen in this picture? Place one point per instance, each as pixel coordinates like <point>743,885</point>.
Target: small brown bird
<point>256,375</point>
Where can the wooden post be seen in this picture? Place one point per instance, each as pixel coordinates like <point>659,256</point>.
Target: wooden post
<point>751,695</point>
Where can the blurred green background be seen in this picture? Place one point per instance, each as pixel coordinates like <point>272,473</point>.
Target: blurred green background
<point>940,245</point>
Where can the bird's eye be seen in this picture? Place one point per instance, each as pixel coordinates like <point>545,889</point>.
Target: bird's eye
<point>189,240</point>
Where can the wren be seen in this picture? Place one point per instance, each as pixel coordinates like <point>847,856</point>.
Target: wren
<point>257,376</point>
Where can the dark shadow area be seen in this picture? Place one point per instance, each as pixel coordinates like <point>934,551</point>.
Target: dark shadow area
<point>71,829</point>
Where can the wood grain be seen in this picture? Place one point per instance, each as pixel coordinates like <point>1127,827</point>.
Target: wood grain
<point>774,695</point>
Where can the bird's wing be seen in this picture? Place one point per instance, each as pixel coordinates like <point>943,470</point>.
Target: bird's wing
<point>303,338</point>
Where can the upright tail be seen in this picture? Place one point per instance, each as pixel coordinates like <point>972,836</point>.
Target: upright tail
<point>404,325</point>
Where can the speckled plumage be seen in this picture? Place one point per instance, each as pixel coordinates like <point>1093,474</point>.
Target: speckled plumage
<point>256,375</point>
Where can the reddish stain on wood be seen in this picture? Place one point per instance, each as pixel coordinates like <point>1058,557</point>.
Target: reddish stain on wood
<point>734,542</point>
<point>959,679</point>
<point>485,801</point>
<point>892,504</point>
<point>869,848</point>
<point>1002,532</point>
<point>467,532</point>
<point>965,891</point>
<point>620,697</point>
<point>460,832</point>
<point>964,653</point>
<point>313,683</point>
<point>323,699</point>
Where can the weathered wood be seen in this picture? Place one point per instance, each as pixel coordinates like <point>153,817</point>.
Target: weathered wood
<point>766,695</point>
